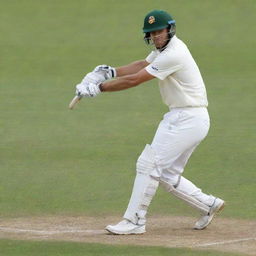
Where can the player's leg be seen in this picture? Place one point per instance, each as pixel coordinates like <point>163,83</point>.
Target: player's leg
<point>174,136</point>
<point>185,190</point>
<point>149,173</point>
<point>174,145</point>
<point>182,188</point>
<point>145,186</point>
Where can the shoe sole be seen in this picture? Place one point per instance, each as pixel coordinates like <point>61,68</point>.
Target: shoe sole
<point>134,232</point>
<point>220,208</point>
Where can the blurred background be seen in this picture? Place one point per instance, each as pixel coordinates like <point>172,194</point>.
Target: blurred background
<point>55,161</point>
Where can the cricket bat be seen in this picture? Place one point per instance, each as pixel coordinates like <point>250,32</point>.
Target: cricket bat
<point>74,101</point>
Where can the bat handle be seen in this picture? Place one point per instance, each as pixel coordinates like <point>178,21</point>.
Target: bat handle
<point>74,101</point>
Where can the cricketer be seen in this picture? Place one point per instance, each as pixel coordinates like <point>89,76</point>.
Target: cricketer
<point>178,134</point>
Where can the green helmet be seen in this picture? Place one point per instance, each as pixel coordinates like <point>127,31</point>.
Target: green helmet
<point>157,20</point>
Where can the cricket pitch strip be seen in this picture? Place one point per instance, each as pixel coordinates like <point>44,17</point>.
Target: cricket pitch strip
<point>229,235</point>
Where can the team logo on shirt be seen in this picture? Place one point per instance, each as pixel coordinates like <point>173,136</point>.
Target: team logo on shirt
<point>155,68</point>
<point>151,19</point>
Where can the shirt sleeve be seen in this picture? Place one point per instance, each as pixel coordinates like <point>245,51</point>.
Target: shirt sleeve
<point>150,58</point>
<point>164,65</point>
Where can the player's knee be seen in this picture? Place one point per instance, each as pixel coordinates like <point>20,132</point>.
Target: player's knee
<point>171,176</point>
<point>146,163</point>
<point>169,181</point>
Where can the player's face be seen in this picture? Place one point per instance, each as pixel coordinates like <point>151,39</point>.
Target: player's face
<point>159,37</point>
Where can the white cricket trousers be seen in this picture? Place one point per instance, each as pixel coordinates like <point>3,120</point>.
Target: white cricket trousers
<point>177,136</point>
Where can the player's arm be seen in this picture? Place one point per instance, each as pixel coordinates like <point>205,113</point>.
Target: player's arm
<point>131,68</point>
<point>126,82</point>
<point>93,84</point>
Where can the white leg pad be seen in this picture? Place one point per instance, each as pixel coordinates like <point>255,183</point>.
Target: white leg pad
<point>189,199</point>
<point>144,188</point>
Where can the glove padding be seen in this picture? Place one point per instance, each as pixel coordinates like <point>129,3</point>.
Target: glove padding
<point>87,89</point>
<point>93,77</point>
<point>106,71</point>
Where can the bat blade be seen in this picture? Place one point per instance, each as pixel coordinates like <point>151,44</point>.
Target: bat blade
<point>74,101</point>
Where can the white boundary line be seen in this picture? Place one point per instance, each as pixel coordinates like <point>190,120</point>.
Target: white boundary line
<point>44,232</point>
<point>227,242</point>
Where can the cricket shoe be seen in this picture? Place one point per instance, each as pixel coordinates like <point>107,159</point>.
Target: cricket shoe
<point>126,227</point>
<point>205,220</point>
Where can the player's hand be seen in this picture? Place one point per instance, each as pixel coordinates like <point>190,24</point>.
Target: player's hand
<point>87,89</point>
<point>93,77</point>
<point>107,71</point>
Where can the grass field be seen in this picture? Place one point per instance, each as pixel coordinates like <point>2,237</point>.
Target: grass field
<point>57,162</point>
<point>13,248</point>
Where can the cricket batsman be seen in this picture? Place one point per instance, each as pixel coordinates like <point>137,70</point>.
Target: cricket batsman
<point>178,134</point>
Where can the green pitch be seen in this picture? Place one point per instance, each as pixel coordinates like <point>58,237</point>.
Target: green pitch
<point>55,161</point>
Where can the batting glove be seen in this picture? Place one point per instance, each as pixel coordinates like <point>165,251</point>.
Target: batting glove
<point>95,78</point>
<point>87,89</point>
<point>107,71</point>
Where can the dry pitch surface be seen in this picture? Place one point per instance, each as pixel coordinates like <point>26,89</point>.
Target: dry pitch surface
<point>230,235</point>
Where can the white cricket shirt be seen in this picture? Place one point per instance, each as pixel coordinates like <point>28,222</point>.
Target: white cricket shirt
<point>180,81</point>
